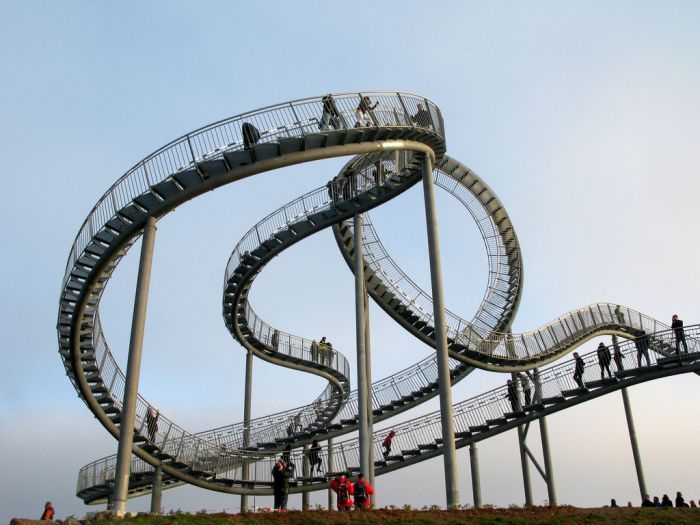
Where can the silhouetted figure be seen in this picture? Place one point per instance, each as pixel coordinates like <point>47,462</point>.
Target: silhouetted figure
<point>613,504</point>
<point>152,424</point>
<point>641,342</point>
<point>692,504</point>
<point>275,341</point>
<point>617,356</point>
<point>48,512</point>
<point>526,385</point>
<point>314,455</point>
<point>646,502</point>
<point>619,315</point>
<point>604,360</point>
<point>387,443</point>
<point>314,351</point>
<point>680,502</point>
<point>330,115</point>
<point>324,351</point>
<point>657,503</point>
<point>422,117</point>
<point>281,473</point>
<point>251,135</point>
<point>578,370</point>
<point>297,423</point>
<point>666,501</point>
<point>363,112</point>
<point>287,453</point>
<point>512,395</point>
<point>677,326</point>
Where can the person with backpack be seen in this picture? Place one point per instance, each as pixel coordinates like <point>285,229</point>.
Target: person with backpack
<point>48,512</point>
<point>281,473</point>
<point>344,490</point>
<point>362,492</point>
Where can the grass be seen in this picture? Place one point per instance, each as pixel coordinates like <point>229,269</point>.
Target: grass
<point>517,516</point>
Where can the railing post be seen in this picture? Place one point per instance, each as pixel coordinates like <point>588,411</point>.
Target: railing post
<point>133,368</point>
<point>370,415</point>
<point>329,469</point>
<point>443,361</point>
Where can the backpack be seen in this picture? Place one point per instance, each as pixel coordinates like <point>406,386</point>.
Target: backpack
<point>360,493</point>
<point>343,493</point>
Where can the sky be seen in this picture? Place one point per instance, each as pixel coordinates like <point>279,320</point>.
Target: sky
<point>581,116</point>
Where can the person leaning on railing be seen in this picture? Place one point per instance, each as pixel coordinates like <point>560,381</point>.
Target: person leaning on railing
<point>363,112</point>
<point>331,115</point>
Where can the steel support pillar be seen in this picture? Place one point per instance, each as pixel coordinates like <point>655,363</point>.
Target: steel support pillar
<point>247,407</point>
<point>133,368</point>
<point>360,315</point>
<point>546,451</point>
<point>330,467</point>
<point>443,363</point>
<point>157,491</point>
<point>522,436</point>
<point>476,480</point>
<point>370,417</point>
<point>633,442</point>
<point>306,471</point>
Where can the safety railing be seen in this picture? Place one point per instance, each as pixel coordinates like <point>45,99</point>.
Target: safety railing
<point>295,118</point>
<point>475,414</point>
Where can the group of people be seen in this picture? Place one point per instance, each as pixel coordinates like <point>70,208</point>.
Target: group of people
<point>349,494</point>
<point>642,344</point>
<point>665,501</point>
<point>512,391</point>
<point>322,351</point>
<point>332,118</point>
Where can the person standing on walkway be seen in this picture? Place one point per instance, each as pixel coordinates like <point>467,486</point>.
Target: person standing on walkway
<point>362,491</point>
<point>323,350</point>
<point>619,316</point>
<point>363,112</point>
<point>526,386</point>
<point>512,395</point>
<point>604,359</point>
<point>617,355</point>
<point>580,365</point>
<point>678,331</point>
<point>314,351</point>
<point>642,344</point>
<point>314,455</point>
<point>330,114</point>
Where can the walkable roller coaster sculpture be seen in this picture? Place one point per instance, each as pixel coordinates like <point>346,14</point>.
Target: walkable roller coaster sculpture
<point>395,144</point>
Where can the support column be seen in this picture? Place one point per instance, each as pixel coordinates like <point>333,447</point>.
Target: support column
<point>362,387</point>
<point>330,467</point>
<point>522,445</point>
<point>443,363</point>
<point>110,502</point>
<point>633,442</point>
<point>476,480</point>
<point>157,491</point>
<point>305,496</point>
<point>133,368</point>
<point>370,417</point>
<point>247,406</point>
<point>546,451</point>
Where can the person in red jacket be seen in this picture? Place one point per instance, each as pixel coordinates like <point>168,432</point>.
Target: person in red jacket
<point>362,491</point>
<point>344,489</point>
<point>48,512</point>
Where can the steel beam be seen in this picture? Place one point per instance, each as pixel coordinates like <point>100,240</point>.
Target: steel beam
<point>476,480</point>
<point>633,442</point>
<point>157,491</point>
<point>546,451</point>
<point>247,406</point>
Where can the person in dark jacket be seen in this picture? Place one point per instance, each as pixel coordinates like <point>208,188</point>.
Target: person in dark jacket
<point>281,473</point>
<point>512,395</point>
<point>666,501</point>
<point>677,326</point>
<point>604,359</point>
<point>617,355</point>
<point>646,502</point>
<point>680,502</point>
<point>362,492</point>
<point>330,114</point>
<point>314,455</point>
<point>422,117</point>
<point>642,344</point>
<point>578,370</point>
